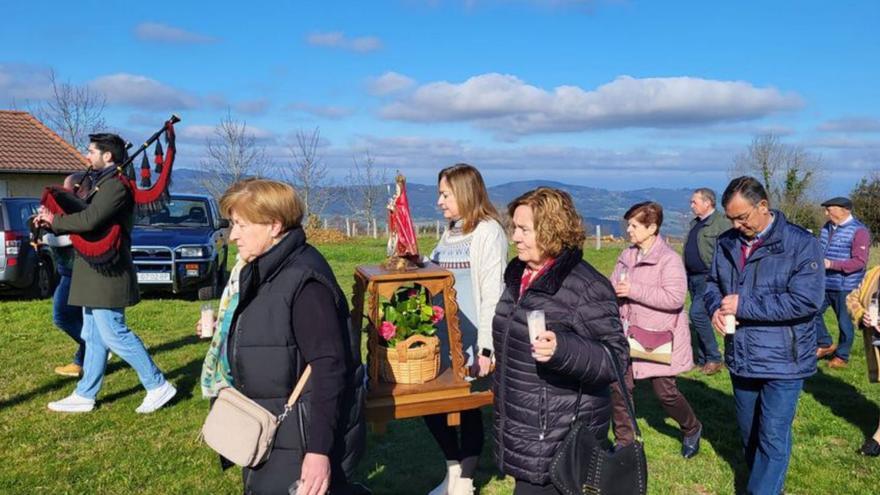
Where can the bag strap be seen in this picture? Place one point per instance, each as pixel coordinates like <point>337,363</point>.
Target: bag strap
<point>297,390</point>
<point>623,390</point>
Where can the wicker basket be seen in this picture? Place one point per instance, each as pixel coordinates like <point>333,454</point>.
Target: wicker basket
<point>406,363</point>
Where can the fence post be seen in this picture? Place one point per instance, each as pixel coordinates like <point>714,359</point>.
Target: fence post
<point>347,227</point>
<point>598,237</point>
<point>324,224</point>
<point>375,230</point>
<point>354,229</point>
<point>438,229</point>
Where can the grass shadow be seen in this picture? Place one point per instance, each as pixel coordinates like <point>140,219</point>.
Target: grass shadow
<point>715,410</point>
<point>114,366</point>
<point>183,378</point>
<point>844,401</point>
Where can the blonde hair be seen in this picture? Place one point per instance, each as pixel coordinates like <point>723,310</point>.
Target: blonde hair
<point>263,201</point>
<point>470,193</point>
<point>558,225</point>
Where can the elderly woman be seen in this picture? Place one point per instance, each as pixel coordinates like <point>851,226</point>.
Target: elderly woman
<point>858,302</point>
<point>536,382</point>
<point>650,282</point>
<point>281,311</point>
<point>474,249</point>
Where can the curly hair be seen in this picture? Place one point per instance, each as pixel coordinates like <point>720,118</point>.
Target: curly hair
<point>558,225</point>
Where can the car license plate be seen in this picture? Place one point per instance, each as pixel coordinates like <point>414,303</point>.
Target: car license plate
<point>154,277</point>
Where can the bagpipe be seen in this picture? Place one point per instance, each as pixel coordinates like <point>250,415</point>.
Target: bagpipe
<point>100,249</point>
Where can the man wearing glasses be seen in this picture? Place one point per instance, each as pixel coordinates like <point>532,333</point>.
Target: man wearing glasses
<point>764,292</point>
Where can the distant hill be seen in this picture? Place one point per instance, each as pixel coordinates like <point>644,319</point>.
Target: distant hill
<point>598,206</point>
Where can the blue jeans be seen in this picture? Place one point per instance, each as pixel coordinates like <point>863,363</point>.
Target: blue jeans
<point>104,330</point>
<point>765,410</point>
<point>68,318</point>
<point>706,348</point>
<point>837,300</point>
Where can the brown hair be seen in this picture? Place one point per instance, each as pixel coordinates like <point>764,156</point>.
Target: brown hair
<point>558,225</point>
<point>646,213</point>
<point>470,193</point>
<point>263,201</point>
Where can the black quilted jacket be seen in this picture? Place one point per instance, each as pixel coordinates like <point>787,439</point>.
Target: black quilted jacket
<point>535,402</point>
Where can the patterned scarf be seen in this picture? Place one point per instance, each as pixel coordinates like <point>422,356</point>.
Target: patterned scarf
<point>216,372</point>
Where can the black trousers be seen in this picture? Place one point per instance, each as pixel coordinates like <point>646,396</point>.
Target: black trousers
<point>471,432</point>
<point>523,487</point>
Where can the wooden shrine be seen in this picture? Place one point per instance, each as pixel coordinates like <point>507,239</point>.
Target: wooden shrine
<point>449,393</point>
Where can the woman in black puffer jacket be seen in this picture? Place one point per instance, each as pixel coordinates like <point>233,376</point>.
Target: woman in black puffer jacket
<point>536,382</point>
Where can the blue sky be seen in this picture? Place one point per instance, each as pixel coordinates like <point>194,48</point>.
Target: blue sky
<point>616,94</point>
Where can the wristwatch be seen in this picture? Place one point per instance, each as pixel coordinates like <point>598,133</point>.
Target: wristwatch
<point>487,353</point>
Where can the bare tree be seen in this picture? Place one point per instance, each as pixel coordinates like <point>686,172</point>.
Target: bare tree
<point>72,111</point>
<point>233,154</point>
<point>366,188</point>
<point>308,173</point>
<point>790,174</point>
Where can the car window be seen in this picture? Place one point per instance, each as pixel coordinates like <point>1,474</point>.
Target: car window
<point>18,213</point>
<point>178,212</point>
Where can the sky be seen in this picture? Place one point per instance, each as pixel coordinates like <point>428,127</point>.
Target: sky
<point>614,94</point>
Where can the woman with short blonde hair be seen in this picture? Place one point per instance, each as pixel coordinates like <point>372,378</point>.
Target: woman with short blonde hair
<point>281,311</point>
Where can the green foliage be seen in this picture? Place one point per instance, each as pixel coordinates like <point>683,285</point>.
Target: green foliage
<point>408,313</point>
<point>866,203</point>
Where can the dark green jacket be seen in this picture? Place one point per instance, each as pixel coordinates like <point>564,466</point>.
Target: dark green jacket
<point>113,203</point>
<point>716,225</point>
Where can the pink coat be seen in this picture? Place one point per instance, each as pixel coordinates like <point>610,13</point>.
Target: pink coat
<point>658,285</point>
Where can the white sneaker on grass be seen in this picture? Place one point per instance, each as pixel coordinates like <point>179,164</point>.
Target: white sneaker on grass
<point>73,403</point>
<point>157,398</point>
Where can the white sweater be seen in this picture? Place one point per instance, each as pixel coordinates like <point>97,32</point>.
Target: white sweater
<point>487,258</point>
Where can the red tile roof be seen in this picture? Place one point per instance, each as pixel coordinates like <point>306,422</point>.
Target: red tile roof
<point>26,145</point>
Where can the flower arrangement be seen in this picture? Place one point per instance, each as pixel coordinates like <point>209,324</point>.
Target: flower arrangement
<point>408,313</point>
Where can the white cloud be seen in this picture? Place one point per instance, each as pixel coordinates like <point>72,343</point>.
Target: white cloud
<point>325,111</point>
<point>338,39</point>
<point>851,124</point>
<point>143,92</point>
<point>253,107</point>
<point>509,106</point>
<point>389,83</point>
<point>155,31</point>
<point>199,133</point>
<point>22,82</point>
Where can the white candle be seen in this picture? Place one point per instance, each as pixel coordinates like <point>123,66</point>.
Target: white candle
<point>536,324</point>
<point>206,323</point>
<point>729,324</point>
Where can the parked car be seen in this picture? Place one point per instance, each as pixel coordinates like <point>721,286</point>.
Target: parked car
<point>182,247</point>
<point>23,269</point>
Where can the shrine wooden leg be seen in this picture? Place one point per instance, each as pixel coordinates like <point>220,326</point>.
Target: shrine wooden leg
<point>456,354</point>
<point>453,419</point>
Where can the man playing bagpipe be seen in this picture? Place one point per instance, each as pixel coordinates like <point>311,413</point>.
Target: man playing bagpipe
<point>104,281</point>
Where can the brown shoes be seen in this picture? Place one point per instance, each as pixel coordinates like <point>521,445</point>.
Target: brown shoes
<point>71,369</point>
<point>823,352</point>
<point>711,368</point>
<point>837,363</point>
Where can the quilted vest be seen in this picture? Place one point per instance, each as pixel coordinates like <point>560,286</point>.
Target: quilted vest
<point>838,247</point>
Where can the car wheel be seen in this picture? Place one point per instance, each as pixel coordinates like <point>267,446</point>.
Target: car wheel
<point>215,288</point>
<point>42,285</point>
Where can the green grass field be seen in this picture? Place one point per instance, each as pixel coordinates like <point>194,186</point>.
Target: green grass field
<point>113,450</point>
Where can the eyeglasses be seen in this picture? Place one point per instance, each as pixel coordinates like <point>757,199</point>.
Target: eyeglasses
<point>743,217</point>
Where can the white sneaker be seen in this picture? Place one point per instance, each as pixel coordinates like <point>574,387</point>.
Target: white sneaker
<point>463,486</point>
<point>157,398</point>
<point>453,472</point>
<point>73,403</point>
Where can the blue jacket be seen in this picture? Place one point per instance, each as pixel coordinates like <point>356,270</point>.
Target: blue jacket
<point>781,288</point>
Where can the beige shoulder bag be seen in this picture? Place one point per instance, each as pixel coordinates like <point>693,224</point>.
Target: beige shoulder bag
<point>241,430</point>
